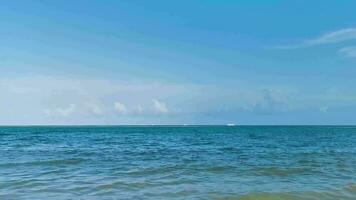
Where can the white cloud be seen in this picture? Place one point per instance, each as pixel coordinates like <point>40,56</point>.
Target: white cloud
<point>269,103</point>
<point>67,110</point>
<point>61,111</point>
<point>139,109</point>
<point>95,109</point>
<point>348,51</point>
<point>120,108</point>
<point>324,109</point>
<point>327,38</point>
<point>159,106</point>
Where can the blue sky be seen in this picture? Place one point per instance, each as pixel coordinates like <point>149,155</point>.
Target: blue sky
<point>177,62</point>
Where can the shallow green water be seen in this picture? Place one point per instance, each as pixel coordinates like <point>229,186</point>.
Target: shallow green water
<point>207,162</point>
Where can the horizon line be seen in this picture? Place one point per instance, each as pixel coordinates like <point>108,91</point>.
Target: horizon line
<point>157,125</point>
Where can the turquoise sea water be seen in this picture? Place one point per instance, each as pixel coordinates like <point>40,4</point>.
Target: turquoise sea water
<point>190,162</point>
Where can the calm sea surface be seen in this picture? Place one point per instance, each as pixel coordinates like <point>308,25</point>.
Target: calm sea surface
<point>192,162</point>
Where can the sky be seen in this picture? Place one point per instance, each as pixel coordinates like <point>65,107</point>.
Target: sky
<point>113,62</point>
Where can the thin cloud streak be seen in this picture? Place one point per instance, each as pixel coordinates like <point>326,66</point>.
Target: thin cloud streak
<point>348,51</point>
<point>327,38</point>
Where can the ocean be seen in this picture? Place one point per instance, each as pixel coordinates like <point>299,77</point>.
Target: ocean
<point>178,162</point>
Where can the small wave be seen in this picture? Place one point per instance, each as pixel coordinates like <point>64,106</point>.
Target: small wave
<point>351,188</point>
<point>220,169</point>
<point>29,183</point>
<point>230,150</point>
<point>155,170</point>
<point>329,195</point>
<point>169,195</point>
<point>260,196</point>
<point>276,171</point>
<point>122,185</point>
<point>70,161</point>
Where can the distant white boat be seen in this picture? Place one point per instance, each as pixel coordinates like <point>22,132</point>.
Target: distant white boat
<point>230,124</point>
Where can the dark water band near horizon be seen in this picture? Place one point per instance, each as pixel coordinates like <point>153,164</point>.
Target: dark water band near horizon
<point>183,162</point>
